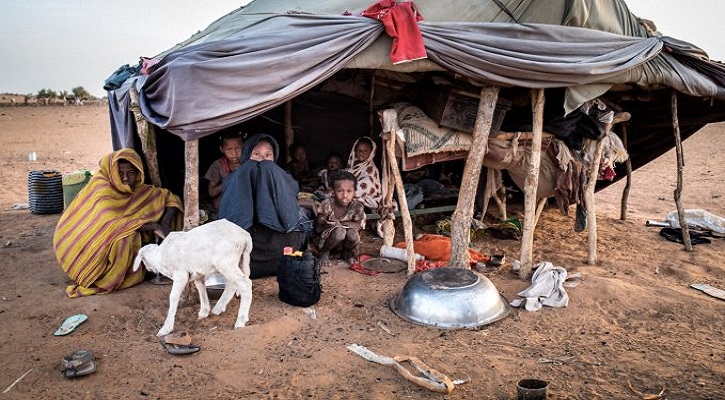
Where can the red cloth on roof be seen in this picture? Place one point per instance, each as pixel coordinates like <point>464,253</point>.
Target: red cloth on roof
<point>401,24</point>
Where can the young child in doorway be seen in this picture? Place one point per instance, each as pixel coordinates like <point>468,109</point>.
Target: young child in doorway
<point>298,165</point>
<point>333,163</point>
<point>339,220</point>
<point>230,145</point>
<point>361,164</point>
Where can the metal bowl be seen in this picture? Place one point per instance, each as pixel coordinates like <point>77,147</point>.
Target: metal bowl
<point>450,298</point>
<point>215,284</point>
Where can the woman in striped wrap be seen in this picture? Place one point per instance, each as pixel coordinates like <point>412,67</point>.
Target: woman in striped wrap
<point>101,230</point>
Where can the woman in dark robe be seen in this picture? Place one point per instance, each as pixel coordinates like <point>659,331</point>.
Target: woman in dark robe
<point>261,197</point>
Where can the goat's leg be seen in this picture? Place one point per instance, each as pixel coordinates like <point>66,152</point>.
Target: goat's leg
<point>244,289</point>
<point>204,306</point>
<point>177,288</point>
<point>230,289</point>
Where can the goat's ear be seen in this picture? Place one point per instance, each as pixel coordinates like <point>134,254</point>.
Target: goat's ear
<point>138,260</point>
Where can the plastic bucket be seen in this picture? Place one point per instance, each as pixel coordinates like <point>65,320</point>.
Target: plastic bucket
<point>45,192</point>
<point>73,183</point>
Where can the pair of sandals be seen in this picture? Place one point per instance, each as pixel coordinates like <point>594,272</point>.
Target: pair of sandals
<point>79,363</point>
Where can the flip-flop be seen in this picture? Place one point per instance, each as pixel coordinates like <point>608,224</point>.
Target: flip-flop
<point>79,363</point>
<point>70,324</point>
<point>173,347</point>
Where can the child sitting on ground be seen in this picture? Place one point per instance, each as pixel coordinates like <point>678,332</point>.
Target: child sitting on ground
<point>339,220</point>
<point>361,164</point>
<point>298,166</point>
<point>333,163</point>
<point>230,145</point>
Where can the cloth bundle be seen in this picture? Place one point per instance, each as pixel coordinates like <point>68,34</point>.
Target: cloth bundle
<point>547,288</point>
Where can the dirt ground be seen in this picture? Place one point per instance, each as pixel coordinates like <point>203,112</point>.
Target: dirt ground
<point>633,318</point>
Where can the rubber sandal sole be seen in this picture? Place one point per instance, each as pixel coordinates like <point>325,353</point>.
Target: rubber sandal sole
<point>70,324</point>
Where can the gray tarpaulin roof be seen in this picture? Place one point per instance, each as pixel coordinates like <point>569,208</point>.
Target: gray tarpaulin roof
<point>270,51</point>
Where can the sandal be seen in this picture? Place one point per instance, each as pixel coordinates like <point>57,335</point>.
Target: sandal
<point>70,324</point>
<point>178,343</point>
<point>78,363</point>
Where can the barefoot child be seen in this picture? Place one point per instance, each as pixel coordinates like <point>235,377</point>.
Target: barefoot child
<point>339,220</point>
<point>231,147</point>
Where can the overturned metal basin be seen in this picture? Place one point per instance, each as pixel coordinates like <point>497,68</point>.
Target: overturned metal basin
<point>450,298</point>
<point>215,284</point>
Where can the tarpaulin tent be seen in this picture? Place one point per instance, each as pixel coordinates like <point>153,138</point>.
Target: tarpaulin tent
<point>258,57</point>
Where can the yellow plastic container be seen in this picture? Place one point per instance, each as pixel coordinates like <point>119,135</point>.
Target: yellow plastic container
<point>73,182</point>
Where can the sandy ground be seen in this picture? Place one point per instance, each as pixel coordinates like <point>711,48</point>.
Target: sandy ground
<point>633,318</point>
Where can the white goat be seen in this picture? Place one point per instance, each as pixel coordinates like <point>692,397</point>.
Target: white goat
<point>217,247</point>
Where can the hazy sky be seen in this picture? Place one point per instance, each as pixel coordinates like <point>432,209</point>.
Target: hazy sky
<point>62,44</point>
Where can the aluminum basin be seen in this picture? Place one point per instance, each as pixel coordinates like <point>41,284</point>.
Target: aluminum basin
<point>450,298</point>
<point>215,284</point>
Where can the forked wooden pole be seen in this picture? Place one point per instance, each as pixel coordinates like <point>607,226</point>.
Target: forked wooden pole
<point>462,217</point>
<point>628,185</point>
<point>589,199</point>
<point>680,168</point>
<point>289,133</point>
<point>191,185</point>
<point>390,122</point>
<point>531,184</point>
<point>147,134</point>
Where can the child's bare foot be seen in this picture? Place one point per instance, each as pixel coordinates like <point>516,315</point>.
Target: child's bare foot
<point>324,259</point>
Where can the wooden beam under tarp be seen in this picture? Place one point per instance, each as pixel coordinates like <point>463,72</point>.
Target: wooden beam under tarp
<point>462,217</point>
<point>147,133</point>
<point>191,184</point>
<point>531,183</point>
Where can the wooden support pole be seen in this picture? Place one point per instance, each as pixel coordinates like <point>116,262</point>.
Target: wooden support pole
<point>147,134</point>
<point>191,185</point>
<point>531,184</point>
<point>390,122</point>
<point>371,107</point>
<point>387,222</point>
<point>589,199</point>
<point>289,133</point>
<point>462,217</point>
<point>628,185</point>
<point>680,168</point>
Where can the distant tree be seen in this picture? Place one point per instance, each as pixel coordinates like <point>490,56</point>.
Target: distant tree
<point>47,94</point>
<point>81,93</point>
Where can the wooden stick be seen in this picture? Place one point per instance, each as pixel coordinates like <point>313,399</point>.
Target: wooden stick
<point>7,389</point>
<point>628,185</point>
<point>680,168</point>
<point>390,121</point>
<point>289,133</point>
<point>589,199</point>
<point>147,134</point>
<point>531,183</point>
<point>191,185</point>
<point>462,217</point>
<point>371,106</point>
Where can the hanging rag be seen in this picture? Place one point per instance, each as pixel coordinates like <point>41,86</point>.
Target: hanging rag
<point>400,20</point>
<point>547,288</point>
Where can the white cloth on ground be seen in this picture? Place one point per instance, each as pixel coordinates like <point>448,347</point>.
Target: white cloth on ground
<point>547,288</point>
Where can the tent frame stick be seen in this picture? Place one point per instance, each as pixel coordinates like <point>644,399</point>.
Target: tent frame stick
<point>191,184</point>
<point>390,122</point>
<point>680,168</point>
<point>589,202</point>
<point>462,217</point>
<point>628,185</point>
<point>147,134</point>
<point>532,183</point>
<point>289,133</point>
